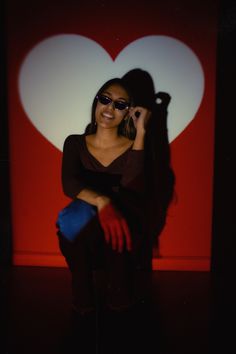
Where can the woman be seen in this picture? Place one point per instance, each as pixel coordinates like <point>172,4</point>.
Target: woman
<point>104,167</point>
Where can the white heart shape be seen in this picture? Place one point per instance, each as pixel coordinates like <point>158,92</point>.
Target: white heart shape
<point>61,75</point>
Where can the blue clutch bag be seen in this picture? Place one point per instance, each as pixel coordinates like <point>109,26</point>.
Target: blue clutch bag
<point>74,217</point>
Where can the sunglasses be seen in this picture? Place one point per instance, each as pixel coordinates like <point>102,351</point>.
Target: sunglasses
<point>105,100</point>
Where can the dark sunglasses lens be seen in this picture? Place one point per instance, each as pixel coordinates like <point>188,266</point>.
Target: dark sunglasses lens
<point>121,105</point>
<point>107,100</point>
<point>104,99</point>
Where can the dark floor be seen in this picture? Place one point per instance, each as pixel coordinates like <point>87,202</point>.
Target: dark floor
<point>186,315</point>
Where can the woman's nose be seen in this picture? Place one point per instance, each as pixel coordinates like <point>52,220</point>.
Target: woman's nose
<point>111,105</point>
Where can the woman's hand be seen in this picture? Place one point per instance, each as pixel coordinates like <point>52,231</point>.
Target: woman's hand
<point>114,226</point>
<point>140,116</point>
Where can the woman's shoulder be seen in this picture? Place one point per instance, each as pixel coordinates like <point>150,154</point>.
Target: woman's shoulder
<point>74,138</point>
<point>73,142</point>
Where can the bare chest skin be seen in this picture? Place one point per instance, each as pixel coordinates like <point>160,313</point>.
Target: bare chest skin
<point>106,155</point>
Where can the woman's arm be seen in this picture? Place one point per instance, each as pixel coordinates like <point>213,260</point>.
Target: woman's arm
<point>114,225</point>
<point>140,116</point>
<point>92,197</point>
<point>133,177</point>
<point>71,172</point>
<point>74,185</point>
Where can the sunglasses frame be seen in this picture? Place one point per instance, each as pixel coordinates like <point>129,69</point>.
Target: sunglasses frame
<point>115,104</point>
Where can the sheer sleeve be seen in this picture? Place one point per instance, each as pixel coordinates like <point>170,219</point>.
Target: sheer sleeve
<point>72,176</point>
<point>132,190</point>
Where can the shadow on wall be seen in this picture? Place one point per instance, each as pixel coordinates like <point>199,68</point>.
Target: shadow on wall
<point>159,175</point>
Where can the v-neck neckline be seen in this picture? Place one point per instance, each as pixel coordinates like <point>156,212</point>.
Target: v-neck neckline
<point>96,160</point>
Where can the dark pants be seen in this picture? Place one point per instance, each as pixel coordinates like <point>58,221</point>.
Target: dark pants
<point>127,274</point>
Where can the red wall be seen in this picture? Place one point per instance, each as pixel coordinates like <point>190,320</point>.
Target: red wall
<point>185,243</point>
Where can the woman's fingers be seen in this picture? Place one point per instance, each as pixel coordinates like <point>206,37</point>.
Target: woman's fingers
<point>116,230</point>
<point>120,237</point>
<point>113,237</point>
<point>127,235</point>
<point>140,116</point>
<point>116,233</point>
<point>106,232</point>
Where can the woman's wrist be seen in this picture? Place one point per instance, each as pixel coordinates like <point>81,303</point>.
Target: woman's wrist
<point>102,201</point>
<point>139,140</point>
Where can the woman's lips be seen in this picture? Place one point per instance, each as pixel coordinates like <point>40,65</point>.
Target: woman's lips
<point>107,116</point>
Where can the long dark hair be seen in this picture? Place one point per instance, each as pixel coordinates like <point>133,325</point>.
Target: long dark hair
<point>126,127</point>
<point>159,175</point>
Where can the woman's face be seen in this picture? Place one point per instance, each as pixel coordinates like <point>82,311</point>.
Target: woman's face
<point>107,116</point>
